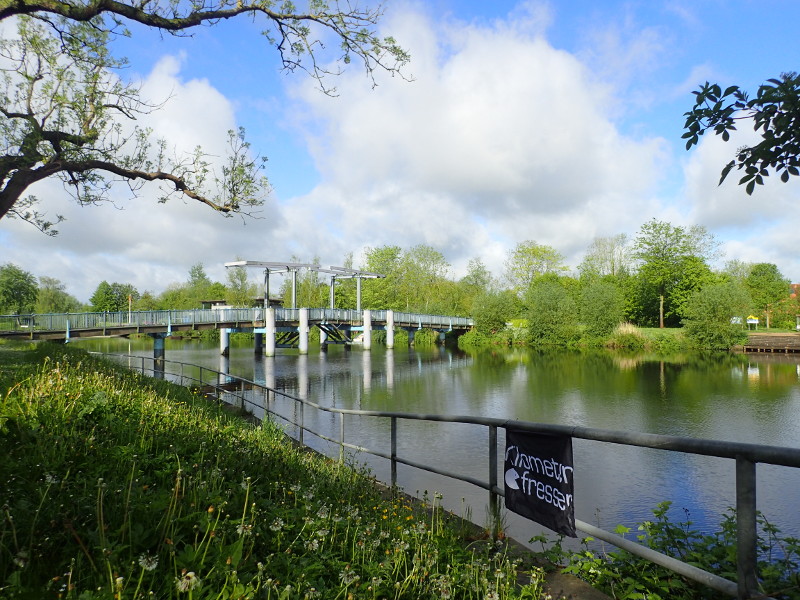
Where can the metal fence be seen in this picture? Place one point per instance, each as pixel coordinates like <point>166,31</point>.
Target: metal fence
<point>231,390</point>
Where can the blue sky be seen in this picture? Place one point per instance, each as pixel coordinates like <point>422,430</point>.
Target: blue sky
<point>550,121</point>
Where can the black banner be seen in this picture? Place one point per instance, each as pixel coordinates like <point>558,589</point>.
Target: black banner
<point>539,483</point>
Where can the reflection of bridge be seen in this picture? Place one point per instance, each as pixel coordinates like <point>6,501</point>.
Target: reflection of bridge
<point>273,327</point>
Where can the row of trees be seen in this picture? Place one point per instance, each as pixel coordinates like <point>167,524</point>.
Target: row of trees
<point>660,277</point>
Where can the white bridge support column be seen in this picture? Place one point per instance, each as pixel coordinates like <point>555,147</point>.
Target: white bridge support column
<point>224,341</point>
<point>323,339</point>
<point>367,329</point>
<point>389,329</point>
<point>303,341</point>
<point>269,333</point>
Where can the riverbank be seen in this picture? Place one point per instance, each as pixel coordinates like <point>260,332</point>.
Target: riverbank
<point>120,486</point>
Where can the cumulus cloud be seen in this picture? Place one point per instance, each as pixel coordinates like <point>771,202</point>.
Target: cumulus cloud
<point>500,138</point>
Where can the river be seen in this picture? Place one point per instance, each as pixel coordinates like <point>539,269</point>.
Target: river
<point>754,398</point>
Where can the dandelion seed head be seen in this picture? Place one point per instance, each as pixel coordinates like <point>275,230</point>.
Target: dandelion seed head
<point>147,562</point>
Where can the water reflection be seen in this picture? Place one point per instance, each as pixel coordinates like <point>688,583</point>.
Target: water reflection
<point>730,397</point>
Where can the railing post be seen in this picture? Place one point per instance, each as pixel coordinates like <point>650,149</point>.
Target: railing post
<point>341,437</point>
<point>746,533</point>
<point>394,452</point>
<point>493,504</point>
<point>302,423</point>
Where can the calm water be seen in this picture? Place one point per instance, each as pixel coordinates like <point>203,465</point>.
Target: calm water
<point>739,398</point>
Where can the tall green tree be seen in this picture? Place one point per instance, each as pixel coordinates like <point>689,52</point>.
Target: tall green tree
<point>607,256</point>
<point>113,297</point>
<point>384,293</point>
<point>664,252</point>
<point>767,287</point>
<point>53,297</point>
<point>18,290</point>
<point>65,105</point>
<point>529,260</point>
<point>774,113</point>
<point>240,292</point>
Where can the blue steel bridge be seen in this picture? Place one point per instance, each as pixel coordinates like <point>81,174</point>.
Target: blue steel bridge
<point>273,327</point>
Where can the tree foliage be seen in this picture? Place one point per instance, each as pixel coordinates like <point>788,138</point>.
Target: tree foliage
<point>529,260</point>
<point>53,297</point>
<point>552,313</point>
<point>607,256</point>
<point>18,290</point>
<point>113,297</point>
<point>602,308</point>
<point>65,110</point>
<point>715,316</point>
<point>775,116</point>
<point>767,286</point>
<point>239,292</point>
<point>667,253</point>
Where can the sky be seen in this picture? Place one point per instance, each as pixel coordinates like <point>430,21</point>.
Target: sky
<point>557,122</point>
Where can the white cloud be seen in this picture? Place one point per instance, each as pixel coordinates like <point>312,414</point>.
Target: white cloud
<point>500,138</point>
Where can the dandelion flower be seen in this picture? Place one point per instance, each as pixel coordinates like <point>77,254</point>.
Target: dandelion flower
<point>189,581</point>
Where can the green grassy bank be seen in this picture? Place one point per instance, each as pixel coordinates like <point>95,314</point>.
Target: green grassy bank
<point>118,486</point>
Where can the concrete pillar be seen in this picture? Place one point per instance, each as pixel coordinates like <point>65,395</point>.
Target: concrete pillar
<point>269,332</point>
<point>389,369</point>
<point>367,329</point>
<point>224,341</point>
<point>323,339</point>
<point>224,369</point>
<point>389,329</point>
<point>366,370</point>
<point>259,343</point>
<point>441,337</point>
<point>303,340</point>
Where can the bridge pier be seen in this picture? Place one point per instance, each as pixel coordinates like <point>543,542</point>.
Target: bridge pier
<point>411,333</point>
<point>323,340</point>
<point>303,340</point>
<point>389,329</point>
<point>259,343</point>
<point>224,341</point>
<point>269,318</point>
<point>367,329</point>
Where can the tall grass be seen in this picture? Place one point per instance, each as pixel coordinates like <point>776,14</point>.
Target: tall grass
<point>118,486</point>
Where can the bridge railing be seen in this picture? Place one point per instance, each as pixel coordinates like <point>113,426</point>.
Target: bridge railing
<point>103,320</point>
<point>233,390</point>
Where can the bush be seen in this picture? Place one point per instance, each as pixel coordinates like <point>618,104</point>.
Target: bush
<point>710,313</point>
<point>552,317</point>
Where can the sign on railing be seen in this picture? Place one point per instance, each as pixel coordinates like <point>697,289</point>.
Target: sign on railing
<point>539,479</point>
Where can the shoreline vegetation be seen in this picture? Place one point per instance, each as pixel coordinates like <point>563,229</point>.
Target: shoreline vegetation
<point>625,337</point>
<point>119,486</point>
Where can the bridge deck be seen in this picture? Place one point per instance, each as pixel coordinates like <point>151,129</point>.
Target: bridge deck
<point>63,326</point>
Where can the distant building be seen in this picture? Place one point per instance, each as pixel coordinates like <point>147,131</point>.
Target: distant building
<point>254,303</point>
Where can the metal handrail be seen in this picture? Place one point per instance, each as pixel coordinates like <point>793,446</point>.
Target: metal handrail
<point>746,456</point>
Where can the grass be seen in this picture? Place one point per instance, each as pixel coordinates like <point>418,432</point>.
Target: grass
<point>118,486</point>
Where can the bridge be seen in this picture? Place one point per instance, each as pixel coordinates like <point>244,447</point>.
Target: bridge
<point>273,327</point>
